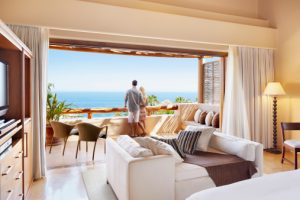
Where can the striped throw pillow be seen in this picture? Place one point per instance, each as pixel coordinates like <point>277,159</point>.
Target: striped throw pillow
<point>187,141</point>
<point>174,143</point>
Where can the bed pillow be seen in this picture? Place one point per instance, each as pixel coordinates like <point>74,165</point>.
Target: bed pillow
<point>208,118</point>
<point>197,115</point>
<point>159,148</point>
<point>204,139</point>
<point>132,147</point>
<point>202,117</point>
<point>188,141</point>
<point>215,120</point>
<point>174,143</point>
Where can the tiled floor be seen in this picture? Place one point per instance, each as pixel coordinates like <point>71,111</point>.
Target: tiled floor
<point>67,183</point>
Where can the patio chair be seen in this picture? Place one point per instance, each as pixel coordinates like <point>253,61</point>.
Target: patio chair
<point>61,130</point>
<point>90,133</point>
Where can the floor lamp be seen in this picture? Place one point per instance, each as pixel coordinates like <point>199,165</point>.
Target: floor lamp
<point>274,89</point>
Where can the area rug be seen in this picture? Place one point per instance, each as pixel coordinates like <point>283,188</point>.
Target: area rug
<point>95,183</point>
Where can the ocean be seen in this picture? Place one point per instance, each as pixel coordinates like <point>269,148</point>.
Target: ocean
<point>113,99</point>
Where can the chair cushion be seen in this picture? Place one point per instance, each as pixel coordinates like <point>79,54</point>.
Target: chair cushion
<point>186,171</point>
<point>132,147</point>
<point>293,143</point>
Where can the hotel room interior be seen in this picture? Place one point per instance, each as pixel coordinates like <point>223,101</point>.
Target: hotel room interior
<point>239,140</point>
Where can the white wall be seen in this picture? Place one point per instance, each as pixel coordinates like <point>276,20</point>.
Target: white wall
<point>285,15</point>
<point>132,23</point>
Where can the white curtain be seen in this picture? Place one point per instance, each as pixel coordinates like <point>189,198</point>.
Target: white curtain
<point>247,112</point>
<point>37,39</point>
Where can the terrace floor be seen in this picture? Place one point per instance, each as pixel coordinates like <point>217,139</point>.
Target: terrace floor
<point>64,176</point>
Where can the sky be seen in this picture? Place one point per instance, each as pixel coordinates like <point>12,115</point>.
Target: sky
<point>82,71</point>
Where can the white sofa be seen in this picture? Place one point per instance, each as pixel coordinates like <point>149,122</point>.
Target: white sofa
<point>158,178</point>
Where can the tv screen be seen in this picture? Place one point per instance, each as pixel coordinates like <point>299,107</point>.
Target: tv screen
<point>3,88</point>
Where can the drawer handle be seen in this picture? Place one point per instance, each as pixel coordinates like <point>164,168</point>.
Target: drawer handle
<point>19,155</point>
<point>20,175</point>
<point>9,168</point>
<point>10,192</point>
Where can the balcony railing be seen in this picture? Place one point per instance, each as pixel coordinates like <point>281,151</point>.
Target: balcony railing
<point>91,111</point>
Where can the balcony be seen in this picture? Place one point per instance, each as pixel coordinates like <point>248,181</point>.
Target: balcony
<point>156,124</point>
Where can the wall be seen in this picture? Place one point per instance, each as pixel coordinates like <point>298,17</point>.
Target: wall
<point>285,15</point>
<point>86,17</point>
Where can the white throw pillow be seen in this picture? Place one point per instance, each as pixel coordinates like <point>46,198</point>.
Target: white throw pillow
<point>197,115</point>
<point>132,147</point>
<point>204,139</point>
<point>159,148</point>
<point>208,118</point>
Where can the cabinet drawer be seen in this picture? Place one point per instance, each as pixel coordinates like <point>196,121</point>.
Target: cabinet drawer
<point>7,190</point>
<point>18,193</point>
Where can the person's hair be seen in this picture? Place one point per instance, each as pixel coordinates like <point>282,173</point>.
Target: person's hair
<point>134,82</point>
<point>142,90</point>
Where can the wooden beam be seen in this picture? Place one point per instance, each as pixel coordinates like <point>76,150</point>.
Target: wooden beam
<point>223,68</point>
<point>200,80</point>
<point>130,49</point>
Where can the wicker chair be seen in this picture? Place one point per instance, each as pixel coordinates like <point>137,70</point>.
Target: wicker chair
<point>61,130</point>
<point>90,133</point>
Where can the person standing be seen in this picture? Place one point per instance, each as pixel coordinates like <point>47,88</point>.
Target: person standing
<point>133,100</point>
<point>143,111</point>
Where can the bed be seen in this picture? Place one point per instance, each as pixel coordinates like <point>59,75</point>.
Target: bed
<point>283,185</point>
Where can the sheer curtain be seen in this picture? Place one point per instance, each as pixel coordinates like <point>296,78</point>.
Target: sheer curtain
<point>37,39</point>
<point>247,112</point>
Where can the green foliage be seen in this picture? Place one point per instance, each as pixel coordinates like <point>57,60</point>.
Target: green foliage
<point>55,108</point>
<point>182,100</point>
<point>164,112</point>
<point>152,100</point>
<point>120,114</point>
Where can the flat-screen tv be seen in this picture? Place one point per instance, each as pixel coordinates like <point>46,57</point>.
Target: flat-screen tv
<point>3,88</point>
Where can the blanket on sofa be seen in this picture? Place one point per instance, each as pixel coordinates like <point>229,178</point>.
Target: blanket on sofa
<point>223,169</point>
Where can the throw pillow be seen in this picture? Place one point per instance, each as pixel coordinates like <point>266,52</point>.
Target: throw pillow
<point>132,147</point>
<point>215,120</point>
<point>174,143</point>
<point>204,139</point>
<point>188,141</point>
<point>208,118</point>
<point>202,117</point>
<point>159,148</point>
<point>197,115</point>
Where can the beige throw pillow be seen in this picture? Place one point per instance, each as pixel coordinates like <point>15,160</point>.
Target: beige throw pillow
<point>159,148</point>
<point>132,147</point>
<point>208,118</point>
<point>197,115</point>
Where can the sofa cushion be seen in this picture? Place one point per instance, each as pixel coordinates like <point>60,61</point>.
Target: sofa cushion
<point>208,118</point>
<point>232,145</point>
<point>186,171</point>
<point>159,148</point>
<point>216,121</point>
<point>204,139</point>
<point>197,115</point>
<point>132,147</point>
<point>188,141</point>
<point>202,117</point>
<point>173,142</point>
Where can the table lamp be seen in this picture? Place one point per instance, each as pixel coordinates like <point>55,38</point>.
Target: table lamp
<point>274,89</point>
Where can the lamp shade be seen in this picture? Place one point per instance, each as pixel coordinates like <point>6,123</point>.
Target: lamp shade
<point>274,89</point>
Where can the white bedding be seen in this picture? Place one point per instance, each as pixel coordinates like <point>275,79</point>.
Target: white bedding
<point>283,185</point>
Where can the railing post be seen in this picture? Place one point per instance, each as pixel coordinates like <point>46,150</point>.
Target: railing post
<point>90,115</point>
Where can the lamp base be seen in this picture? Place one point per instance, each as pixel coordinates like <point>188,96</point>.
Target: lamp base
<point>273,150</point>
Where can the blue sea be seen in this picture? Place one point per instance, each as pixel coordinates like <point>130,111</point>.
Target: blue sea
<point>113,99</point>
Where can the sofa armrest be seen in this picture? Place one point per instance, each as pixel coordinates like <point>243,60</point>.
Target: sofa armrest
<point>139,178</point>
<point>246,149</point>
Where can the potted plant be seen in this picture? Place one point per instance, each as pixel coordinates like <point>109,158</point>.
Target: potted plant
<point>55,109</point>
